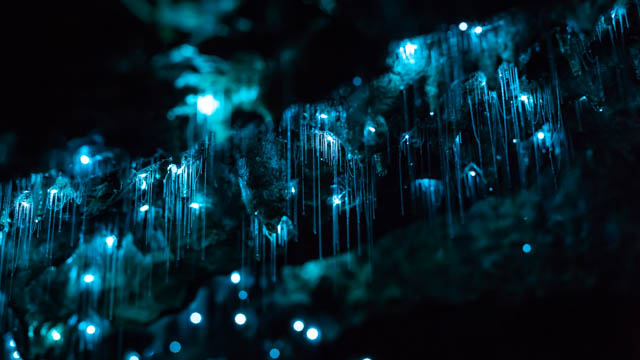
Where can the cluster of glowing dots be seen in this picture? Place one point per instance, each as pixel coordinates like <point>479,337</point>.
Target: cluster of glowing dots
<point>371,129</point>
<point>207,104</point>
<point>274,353</point>
<point>240,319</point>
<point>526,248</point>
<point>235,277</point>
<point>336,200</point>
<point>293,189</point>
<point>88,278</point>
<point>195,318</point>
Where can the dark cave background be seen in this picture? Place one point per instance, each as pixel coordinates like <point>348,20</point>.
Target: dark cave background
<point>84,69</point>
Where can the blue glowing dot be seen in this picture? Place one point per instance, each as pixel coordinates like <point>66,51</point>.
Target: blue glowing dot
<point>144,208</point>
<point>477,30</point>
<point>298,325</point>
<point>175,347</point>
<point>88,278</point>
<point>323,116</point>
<point>367,358</point>
<point>274,353</point>
<point>336,200</point>
<point>293,190</point>
<point>12,343</point>
<point>243,295</point>
<point>110,240</point>
<point>526,248</point>
<point>132,356</point>
<point>91,330</point>
<point>515,141</point>
<point>195,318</point>
<point>472,173</point>
<point>490,189</point>
<point>207,104</point>
<point>463,26</point>
<point>55,335</point>
<point>235,277</point>
<point>357,81</point>
<point>84,159</point>
<point>524,98</point>
<point>313,334</point>
<point>16,355</point>
<point>240,319</point>
<point>540,135</point>
<point>372,129</point>
<point>195,205</point>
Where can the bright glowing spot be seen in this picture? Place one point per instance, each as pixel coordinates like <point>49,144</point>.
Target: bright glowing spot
<point>85,159</point>
<point>144,184</point>
<point>133,356</point>
<point>372,129</point>
<point>515,141</point>
<point>12,343</point>
<point>55,335</point>
<point>406,137</point>
<point>313,334</point>
<point>274,353</point>
<point>323,116</point>
<point>243,295</point>
<point>195,318</point>
<point>526,248</point>
<point>329,138</point>
<point>25,204</point>
<point>524,98</point>
<point>240,319</point>
<point>540,135</point>
<point>91,330</point>
<point>298,325</point>
<point>367,358</point>
<point>235,277</point>
<point>472,173</point>
<point>195,205</point>
<point>477,30</point>
<point>490,189</point>
<point>410,49</point>
<point>357,81</point>
<point>16,355</point>
<point>110,240</point>
<point>463,26</point>
<point>432,113</point>
<point>336,200</point>
<point>175,347</point>
<point>207,104</point>
<point>88,278</point>
<point>53,191</point>
<point>144,208</point>
<point>293,190</point>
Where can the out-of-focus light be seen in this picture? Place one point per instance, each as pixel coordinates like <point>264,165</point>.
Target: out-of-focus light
<point>336,200</point>
<point>84,159</point>
<point>195,205</point>
<point>88,278</point>
<point>524,98</point>
<point>540,135</point>
<point>55,335</point>
<point>515,141</point>
<point>235,277</point>
<point>207,104</point>
<point>329,138</point>
<point>12,343</point>
<point>175,347</point>
<point>432,113</point>
<point>410,49</point>
<point>357,81</point>
<point>372,129</point>
<point>472,173</point>
<point>526,248</point>
<point>293,189</point>
<point>91,330</point>
<point>240,319</point>
<point>274,353</point>
<point>16,355</point>
<point>144,208</point>
<point>477,30</point>
<point>367,358</point>
<point>243,295</point>
<point>298,325</point>
<point>313,334</point>
<point>463,26</point>
<point>132,356</point>
<point>323,116</point>
<point>110,240</point>
<point>195,318</point>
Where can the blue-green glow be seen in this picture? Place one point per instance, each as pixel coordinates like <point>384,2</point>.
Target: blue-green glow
<point>207,104</point>
<point>313,334</point>
<point>540,135</point>
<point>144,208</point>
<point>195,318</point>
<point>110,240</point>
<point>274,353</point>
<point>88,278</point>
<point>243,295</point>
<point>478,30</point>
<point>463,26</point>
<point>235,277</point>
<point>357,81</point>
<point>240,319</point>
<point>175,347</point>
<point>55,335</point>
<point>16,355</point>
<point>526,248</point>
<point>84,159</point>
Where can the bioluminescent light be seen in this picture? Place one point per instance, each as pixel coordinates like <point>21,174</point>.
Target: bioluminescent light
<point>55,335</point>
<point>526,248</point>
<point>477,30</point>
<point>195,318</point>
<point>91,330</point>
<point>515,140</point>
<point>12,343</point>
<point>110,240</point>
<point>463,26</point>
<point>175,347</point>
<point>410,49</point>
<point>540,135</point>
<point>207,104</point>
<point>293,189</point>
<point>524,98</point>
<point>132,356</point>
<point>472,173</point>
<point>371,129</point>
<point>240,319</point>
<point>357,81</point>
<point>367,358</point>
<point>84,159</point>
<point>432,113</point>
<point>235,277</point>
<point>144,208</point>
<point>16,355</point>
<point>313,334</point>
<point>336,200</point>
<point>298,325</point>
<point>324,116</point>
<point>490,189</point>
<point>243,295</point>
<point>274,353</point>
<point>329,138</point>
<point>53,191</point>
<point>88,278</point>
<point>195,205</point>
